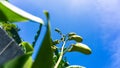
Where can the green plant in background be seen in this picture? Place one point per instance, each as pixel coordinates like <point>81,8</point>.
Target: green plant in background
<point>78,46</point>
<point>50,55</point>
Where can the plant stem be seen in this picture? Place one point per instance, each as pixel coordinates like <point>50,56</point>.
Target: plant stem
<point>37,35</point>
<point>66,50</point>
<point>61,55</point>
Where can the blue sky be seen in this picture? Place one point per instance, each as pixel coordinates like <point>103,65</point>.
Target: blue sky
<point>97,21</point>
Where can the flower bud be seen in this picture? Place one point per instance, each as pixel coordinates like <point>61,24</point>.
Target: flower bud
<point>47,14</point>
<point>77,38</point>
<point>56,42</point>
<point>53,48</point>
<point>71,33</point>
<point>79,47</point>
<point>75,66</point>
<point>57,30</point>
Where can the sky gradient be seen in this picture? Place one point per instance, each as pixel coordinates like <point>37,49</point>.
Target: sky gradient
<point>97,21</point>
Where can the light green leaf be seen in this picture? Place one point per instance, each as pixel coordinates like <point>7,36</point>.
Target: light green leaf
<point>44,58</point>
<point>11,13</point>
<point>24,61</point>
<point>28,47</point>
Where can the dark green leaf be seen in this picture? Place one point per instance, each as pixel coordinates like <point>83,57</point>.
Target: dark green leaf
<point>44,58</point>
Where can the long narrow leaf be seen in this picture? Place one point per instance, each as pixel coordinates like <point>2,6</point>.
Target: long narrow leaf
<point>11,13</point>
<point>44,58</point>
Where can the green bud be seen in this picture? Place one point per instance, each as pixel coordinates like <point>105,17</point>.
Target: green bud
<point>77,38</point>
<point>53,48</point>
<point>57,30</point>
<point>79,47</point>
<point>56,42</point>
<point>47,14</point>
<point>75,66</point>
<point>71,33</point>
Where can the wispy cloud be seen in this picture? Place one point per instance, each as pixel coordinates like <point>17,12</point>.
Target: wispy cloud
<point>116,53</point>
<point>110,15</point>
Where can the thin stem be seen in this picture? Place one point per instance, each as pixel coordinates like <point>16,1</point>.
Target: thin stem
<point>37,35</point>
<point>66,50</point>
<point>61,55</point>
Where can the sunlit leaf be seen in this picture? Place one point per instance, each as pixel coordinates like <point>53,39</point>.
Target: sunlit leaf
<point>44,58</point>
<point>79,47</point>
<point>11,13</point>
<point>28,47</point>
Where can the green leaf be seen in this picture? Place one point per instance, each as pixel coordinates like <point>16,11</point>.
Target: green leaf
<point>28,47</point>
<point>44,58</point>
<point>24,61</point>
<point>79,47</point>
<point>11,13</point>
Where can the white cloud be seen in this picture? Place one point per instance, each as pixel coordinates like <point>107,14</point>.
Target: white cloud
<point>110,13</point>
<point>79,6</point>
<point>115,48</point>
<point>110,16</point>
